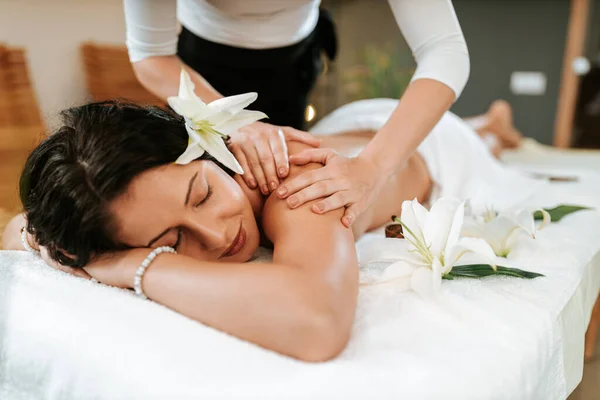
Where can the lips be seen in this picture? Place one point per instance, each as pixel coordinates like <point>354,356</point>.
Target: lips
<point>238,243</point>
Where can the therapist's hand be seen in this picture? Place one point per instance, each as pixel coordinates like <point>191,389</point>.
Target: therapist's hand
<point>353,183</point>
<point>261,150</point>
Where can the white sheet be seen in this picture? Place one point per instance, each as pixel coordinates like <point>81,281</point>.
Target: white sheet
<point>457,159</point>
<point>532,154</point>
<point>498,338</point>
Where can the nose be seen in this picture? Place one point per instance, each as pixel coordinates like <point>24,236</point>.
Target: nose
<point>211,233</point>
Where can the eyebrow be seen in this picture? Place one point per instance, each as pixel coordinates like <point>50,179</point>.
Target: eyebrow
<point>189,191</point>
<point>187,200</point>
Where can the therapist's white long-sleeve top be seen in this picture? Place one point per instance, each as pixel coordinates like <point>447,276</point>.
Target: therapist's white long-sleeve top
<point>430,28</point>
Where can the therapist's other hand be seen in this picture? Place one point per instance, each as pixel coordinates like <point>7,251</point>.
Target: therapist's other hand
<point>353,183</point>
<point>261,150</point>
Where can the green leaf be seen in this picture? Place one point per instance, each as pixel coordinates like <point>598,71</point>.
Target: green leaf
<point>482,270</point>
<point>557,213</point>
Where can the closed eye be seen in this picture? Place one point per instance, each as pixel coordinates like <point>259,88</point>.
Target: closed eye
<point>208,196</point>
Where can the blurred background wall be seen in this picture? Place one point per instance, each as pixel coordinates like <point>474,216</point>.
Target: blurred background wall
<point>503,37</point>
<point>51,31</point>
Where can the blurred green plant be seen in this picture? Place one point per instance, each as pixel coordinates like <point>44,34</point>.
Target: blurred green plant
<point>381,72</point>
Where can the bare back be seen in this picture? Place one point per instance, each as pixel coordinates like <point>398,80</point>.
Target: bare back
<point>412,182</point>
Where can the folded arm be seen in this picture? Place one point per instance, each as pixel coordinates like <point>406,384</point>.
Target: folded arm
<point>301,305</point>
<point>11,237</point>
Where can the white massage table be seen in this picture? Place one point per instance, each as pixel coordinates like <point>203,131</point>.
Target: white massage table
<point>497,338</point>
<point>500,338</point>
<point>533,154</point>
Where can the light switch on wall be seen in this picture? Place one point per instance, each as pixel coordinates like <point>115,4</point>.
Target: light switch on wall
<point>531,83</point>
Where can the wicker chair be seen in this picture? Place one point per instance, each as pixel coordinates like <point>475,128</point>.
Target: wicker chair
<point>109,75</point>
<point>21,123</point>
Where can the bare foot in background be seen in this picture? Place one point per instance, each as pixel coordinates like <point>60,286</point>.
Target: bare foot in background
<point>496,127</point>
<point>500,122</point>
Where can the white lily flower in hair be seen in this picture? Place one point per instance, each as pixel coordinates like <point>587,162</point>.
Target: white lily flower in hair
<point>501,230</point>
<point>431,248</point>
<point>208,124</point>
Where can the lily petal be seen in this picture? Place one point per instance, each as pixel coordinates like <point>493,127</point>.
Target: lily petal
<point>524,219</point>
<point>436,276</point>
<point>216,118</point>
<point>498,232</point>
<point>510,241</point>
<point>234,104</point>
<point>399,274</point>
<point>192,152</point>
<point>546,219</point>
<point>455,228</point>
<point>470,245</point>
<point>186,88</point>
<point>399,269</point>
<point>187,108</point>
<point>413,217</point>
<point>444,219</point>
<point>216,147</point>
<point>241,119</point>
<point>422,282</point>
<point>472,227</point>
<point>205,123</point>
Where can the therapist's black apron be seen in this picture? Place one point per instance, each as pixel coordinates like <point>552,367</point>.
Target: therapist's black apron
<point>282,77</point>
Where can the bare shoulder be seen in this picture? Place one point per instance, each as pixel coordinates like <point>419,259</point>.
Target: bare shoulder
<point>293,231</point>
<point>295,148</point>
<point>256,198</point>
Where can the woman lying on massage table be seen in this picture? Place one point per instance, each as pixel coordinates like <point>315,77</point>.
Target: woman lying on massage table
<point>103,190</point>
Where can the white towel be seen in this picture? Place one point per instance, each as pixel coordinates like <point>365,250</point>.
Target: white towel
<point>498,338</point>
<point>458,160</point>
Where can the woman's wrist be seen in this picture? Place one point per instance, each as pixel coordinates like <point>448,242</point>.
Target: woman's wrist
<point>388,159</point>
<point>420,108</point>
<point>31,241</point>
<point>130,263</point>
<point>384,164</point>
<point>118,268</point>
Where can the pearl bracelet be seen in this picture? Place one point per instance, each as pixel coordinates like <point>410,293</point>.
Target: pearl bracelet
<point>26,243</point>
<point>137,281</point>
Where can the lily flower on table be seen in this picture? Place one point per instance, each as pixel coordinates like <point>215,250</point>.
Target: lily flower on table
<point>209,124</point>
<point>431,248</point>
<point>501,230</point>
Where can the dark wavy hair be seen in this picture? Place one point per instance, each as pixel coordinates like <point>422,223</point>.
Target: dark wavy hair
<point>69,180</point>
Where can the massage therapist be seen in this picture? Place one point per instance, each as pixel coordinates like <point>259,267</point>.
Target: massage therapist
<point>273,47</point>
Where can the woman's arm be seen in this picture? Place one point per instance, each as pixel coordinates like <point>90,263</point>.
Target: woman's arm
<point>152,43</point>
<point>302,305</point>
<point>431,29</point>
<point>11,237</point>
<point>160,75</point>
<point>433,33</point>
<point>11,240</point>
